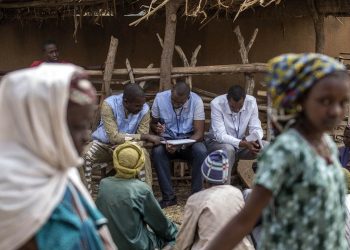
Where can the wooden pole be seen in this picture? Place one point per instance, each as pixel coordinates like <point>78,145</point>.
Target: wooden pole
<point>171,9</point>
<point>108,72</point>
<point>107,77</point>
<point>244,51</point>
<point>318,20</point>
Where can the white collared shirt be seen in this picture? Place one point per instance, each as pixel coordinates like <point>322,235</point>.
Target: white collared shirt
<point>229,127</point>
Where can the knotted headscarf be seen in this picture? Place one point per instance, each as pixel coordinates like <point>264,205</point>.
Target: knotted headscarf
<point>128,160</point>
<point>291,75</point>
<point>37,153</point>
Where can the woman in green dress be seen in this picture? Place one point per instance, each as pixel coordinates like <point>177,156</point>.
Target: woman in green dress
<point>299,188</point>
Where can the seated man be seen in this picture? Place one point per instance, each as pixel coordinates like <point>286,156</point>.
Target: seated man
<point>135,219</point>
<point>231,115</point>
<point>123,117</point>
<point>178,114</point>
<point>206,212</point>
<point>344,152</point>
<point>51,54</point>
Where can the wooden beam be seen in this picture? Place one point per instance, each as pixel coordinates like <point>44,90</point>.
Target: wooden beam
<point>148,78</point>
<point>199,70</point>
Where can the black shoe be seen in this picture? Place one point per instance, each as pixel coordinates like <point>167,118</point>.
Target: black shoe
<point>167,203</point>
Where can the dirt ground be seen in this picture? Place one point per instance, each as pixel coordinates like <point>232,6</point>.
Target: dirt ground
<point>182,190</point>
<point>175,213</point>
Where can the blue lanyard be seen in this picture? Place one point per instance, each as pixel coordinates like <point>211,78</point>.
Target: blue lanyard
<point>178,119</point>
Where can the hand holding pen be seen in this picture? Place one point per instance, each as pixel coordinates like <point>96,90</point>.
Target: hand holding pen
<point>160,127</point>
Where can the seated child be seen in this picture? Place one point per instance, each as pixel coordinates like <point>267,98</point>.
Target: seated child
<point>209,210</point>
<point>135,218</point>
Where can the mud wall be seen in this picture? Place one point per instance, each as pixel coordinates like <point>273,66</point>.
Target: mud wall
<point>20,44</point>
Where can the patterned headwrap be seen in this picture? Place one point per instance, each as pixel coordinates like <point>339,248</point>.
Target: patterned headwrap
<point>215,167</point>
<point>291,75</point>
<point>128,160</point>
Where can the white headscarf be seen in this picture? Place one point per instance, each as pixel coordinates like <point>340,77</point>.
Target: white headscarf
<point>37,153</point>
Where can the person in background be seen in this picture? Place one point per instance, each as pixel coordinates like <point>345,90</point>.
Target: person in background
<point>344,152</point>
<point>50,54</point>
<point>207,211</point>
<point>46,112</point>
<point>123,117</point>
<point>232,115</point>
<point>178,114</point>
<point>135,218</point>
<point>299,187</point>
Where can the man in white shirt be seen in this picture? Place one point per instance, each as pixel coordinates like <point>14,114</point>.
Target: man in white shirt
<point>232,116</point>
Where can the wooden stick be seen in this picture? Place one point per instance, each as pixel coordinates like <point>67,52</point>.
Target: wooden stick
<point>182,55</point>
<point>194,55</point>
<point>142,84</point>
<point>199,70</point>
<point>131,74</point>
<point>250,44</point>
<point>149,13</point>
<point>244,50</point>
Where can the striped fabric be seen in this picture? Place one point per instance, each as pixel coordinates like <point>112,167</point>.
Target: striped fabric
<point>215,167</point>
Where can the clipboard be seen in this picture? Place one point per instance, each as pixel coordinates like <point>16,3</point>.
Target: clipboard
<point>178,142</point>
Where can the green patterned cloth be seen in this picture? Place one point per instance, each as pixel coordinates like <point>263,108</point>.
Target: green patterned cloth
<point>307,210</point>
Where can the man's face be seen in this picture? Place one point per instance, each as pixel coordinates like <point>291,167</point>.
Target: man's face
<point>178,101</point>
<point>135,105</point>
<point>51,53</point>
<point>236,106</point>
<point>78,120</point>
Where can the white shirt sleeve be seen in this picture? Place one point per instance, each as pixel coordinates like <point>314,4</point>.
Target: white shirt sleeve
<point>254,123</point>
<point>218,126</point>
<point>155,109</point>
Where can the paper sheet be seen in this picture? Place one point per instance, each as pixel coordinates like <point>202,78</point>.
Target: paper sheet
<point>178,142</point>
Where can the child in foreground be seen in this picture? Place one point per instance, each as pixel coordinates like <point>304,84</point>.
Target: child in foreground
<point>299,188</point>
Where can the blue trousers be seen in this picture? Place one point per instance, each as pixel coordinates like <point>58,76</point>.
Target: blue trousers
<point>194,154</point>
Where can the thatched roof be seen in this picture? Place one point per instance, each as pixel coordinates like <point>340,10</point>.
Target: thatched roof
<point>43,9</point>
<point>202,9</point>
